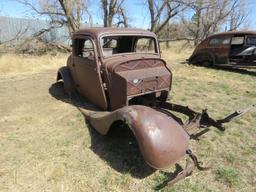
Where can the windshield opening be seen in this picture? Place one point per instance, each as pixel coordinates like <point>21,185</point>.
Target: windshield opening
<point>112,45</point>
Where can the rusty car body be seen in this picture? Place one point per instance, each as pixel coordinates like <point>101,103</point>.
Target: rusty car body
<point>122,73</point>
<point>235,48</point>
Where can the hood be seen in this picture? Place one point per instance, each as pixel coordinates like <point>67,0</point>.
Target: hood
<point>133,75</point>
<point>132,61</point>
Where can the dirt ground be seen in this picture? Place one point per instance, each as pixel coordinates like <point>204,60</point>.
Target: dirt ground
<point>46,145</point>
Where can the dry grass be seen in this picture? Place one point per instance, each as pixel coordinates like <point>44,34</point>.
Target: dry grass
<point>45,144</point>
<point>20,64</point>
<point>177,52</point>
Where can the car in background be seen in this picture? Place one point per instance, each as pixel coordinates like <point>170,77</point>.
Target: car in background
<point>234,48</point>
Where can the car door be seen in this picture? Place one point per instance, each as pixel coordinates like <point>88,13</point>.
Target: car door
<point>220,47</point>
<point>87,71</point>
<point>238,45</point>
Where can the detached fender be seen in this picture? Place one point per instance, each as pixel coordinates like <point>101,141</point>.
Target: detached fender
<point>162,141</point>
<point>64,74</point>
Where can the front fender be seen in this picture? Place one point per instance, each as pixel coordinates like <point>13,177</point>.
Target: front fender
<point>161,139</point>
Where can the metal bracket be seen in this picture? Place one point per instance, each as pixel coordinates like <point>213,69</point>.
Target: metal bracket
<point>198,120</point>
<point>191,164</point>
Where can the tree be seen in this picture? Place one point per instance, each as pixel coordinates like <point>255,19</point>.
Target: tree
<point>114,10</point>
<point>161,11</point>
<point>210,16</point>
<point>60,12</point>
<point>238,16</point>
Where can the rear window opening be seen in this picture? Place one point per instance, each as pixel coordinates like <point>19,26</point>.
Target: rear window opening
<point>112,45</point>
<point>219,41</point>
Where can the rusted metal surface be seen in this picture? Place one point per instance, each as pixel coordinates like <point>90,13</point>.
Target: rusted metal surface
<point>191,164</point>
<point>161,139</point>
<point>197,120</point>
<point>132,86</point>
<point>235,49</point>
<point>111,82</point>
<point>136,76</point>
<point>97,32</point>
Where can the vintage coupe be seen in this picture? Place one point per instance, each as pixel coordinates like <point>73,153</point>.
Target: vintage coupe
<point>236,49</point>
<point>121,72</point>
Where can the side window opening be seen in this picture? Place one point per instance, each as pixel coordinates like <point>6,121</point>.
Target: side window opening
<point>83,48</point>
<point>239,40</point>
<point>251,41</point>
<point>217,41</point>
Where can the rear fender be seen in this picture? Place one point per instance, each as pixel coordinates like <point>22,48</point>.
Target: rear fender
<point>161,139</point>
<point>201,57</point>
<point>64,74</point>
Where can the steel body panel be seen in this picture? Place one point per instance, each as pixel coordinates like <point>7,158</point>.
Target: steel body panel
<point>151,73</point>
<point>161,139</point>
<point>145,82</point>
<point>87,74</point>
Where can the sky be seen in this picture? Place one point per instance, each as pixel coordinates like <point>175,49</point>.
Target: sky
<point>138,14</point>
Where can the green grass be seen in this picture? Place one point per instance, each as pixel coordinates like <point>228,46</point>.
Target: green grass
<point>228,175</point>
<point>231,158</point>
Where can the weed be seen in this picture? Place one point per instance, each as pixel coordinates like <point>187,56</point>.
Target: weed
<point>230,157</point>
<point>228,175</point>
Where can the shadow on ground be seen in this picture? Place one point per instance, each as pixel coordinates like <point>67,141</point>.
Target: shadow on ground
<point>229,69</point>
<point>233,70</point>
<point>236,70</point>
<point>118,148</point>
<point>57,91</point>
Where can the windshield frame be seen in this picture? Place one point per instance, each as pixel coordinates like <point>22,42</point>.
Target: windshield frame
<point>128,53</point>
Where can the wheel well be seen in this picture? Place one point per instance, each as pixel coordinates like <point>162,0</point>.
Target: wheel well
<point>118,124</point>
<point>59,76</point>
<point>64,74</point>
<point>121,129</point>
<point>201,57</point>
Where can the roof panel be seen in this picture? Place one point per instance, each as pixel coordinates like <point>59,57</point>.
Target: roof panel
<point>98,31</point>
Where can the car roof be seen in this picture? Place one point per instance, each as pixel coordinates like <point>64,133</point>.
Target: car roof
<point>235,33</point>
<point>99,31</point>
